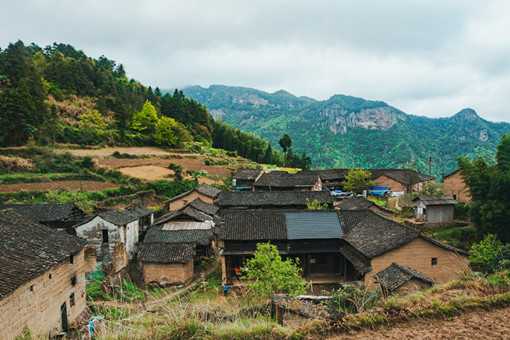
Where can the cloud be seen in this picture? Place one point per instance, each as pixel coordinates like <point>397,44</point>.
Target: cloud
<point>429,58</point>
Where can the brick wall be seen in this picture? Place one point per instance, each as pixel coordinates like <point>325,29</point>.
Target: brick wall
<point>181,202</point>
<point>171,273</point>
<point>39,307</point>
<point>455,187</point>
<point>418,255</point>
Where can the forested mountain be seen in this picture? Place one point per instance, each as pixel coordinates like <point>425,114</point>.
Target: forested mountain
<point>58,94</point>
<point>344,131</point>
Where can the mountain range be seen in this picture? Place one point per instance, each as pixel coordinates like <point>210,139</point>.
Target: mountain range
<point>346,132</point>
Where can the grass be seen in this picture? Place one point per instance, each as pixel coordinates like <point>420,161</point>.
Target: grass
<point>460,237</point>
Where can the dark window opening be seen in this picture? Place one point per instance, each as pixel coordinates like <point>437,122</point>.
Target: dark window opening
<point>49,276</point>
<point>71,300</point>
<point>73,281</point>
<point>455,197</point>
<point>105,235</point>
<point>71,259</point>
<point>434,261</point>
<point>32,288</point>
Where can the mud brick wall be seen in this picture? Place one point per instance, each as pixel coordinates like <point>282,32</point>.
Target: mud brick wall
<point>181,202</point>
<point>455,187</point>
<point>37,303</point>
<point>171,273</point>
<point>418,255</point>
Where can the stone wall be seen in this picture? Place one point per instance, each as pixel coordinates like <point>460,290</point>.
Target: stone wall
<point>37,303</point>
<point>176,273</point>
<point>418,255</point>
<point>455,187</point>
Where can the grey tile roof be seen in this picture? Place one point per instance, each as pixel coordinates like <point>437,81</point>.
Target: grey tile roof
<point>251,225</point>
<point>28,249</point>
<point>255,199</point>
<point>208,190</point>
<point>139,210</point>
<point>313,225</point>
<point>48,212</point>
<point>358,260</point>
<point>396,275</point>
<point>119,218</point>
<point>166,253</point>
<point>247,174</point>
<point>209,209</point>
<point>435,200</point>
<point>355,203</point>
<point>187,213</point>
<point>158,235</point>
<point>283,179</point>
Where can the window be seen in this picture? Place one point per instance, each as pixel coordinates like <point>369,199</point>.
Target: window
<point>71,300</point>
<point>433,261</point>
<point>105,235</point>
<point>71,259</point>
<point>73,281</point>
<point>32,288</point>
<point>49,276</point>
<point>455,197</point>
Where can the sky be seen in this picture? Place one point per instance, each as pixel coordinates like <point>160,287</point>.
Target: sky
<point>430,58</point>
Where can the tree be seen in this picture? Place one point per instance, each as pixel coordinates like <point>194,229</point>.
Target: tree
<point>431,188</point>
<point>165,132</point>
<point>489,186</point>
<point>358,180</point>
<point>285,142</point>
<point>268,274</point>
<point>145,119</point>
<point>93,120</point>
<point>315,205</point>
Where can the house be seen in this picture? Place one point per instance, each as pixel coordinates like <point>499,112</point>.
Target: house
<point>284,181</point>
<point>59,216</point>
<point>401,280</point>
<point>42,278</point>
<point>169,250</point>
<point>373,242</point>
<point>272,199</point>
<point>454,186</point>
<point>197,210</point>
<point>434,208</point>
<point>105,229</point>
<point>243,179</point>
<point>312,236</point>
<point>331,178</point>
<point>205,192</point>
<point>360,203</point>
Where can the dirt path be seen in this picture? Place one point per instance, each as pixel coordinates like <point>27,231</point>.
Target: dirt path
<point>139,151</point>
<point>67,185</point>
<point>479,324</point>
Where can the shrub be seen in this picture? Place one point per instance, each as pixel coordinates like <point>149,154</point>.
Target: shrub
<point>353,299</point>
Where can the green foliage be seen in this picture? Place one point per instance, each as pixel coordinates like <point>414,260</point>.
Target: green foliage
<point>358,180</point>
<point>268,274</point>
<point>171,188</point>
<point>351,299</point>
<point>93,287</point>
<point>315,205</point>
<point>145,119</point>
<point>430,188</point>
<point>490,254</point>
<point>26,334</point>
<point>489,186</point>
<point>92,119</point>
<point>285,142</point>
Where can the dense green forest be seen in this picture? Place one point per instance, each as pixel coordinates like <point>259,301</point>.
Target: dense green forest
<point>347,132</point>
<point>57,94</point>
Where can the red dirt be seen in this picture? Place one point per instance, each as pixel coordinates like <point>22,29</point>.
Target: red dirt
<point>68,185</point>
<point>479,324</point>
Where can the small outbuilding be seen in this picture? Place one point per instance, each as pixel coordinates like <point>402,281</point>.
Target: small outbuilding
<point>171,263</point>
<point>401,280</point>
<point>434,208</point>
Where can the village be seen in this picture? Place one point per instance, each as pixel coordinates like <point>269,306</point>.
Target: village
<point>51,252</point>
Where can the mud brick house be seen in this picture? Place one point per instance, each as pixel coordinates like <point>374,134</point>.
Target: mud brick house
<point>373,242</point>
<point>105,229</point>
<point>434,208</point>
<point>59,216</point>
<point>197,211</point>
<point>271,199</point>
<point>42,278</point>
<point>360,203</point>
<point>454,186</point>
<point>243,179</point>
<point>205,192</point>
<point>311,236</point>
<point>169,249</point>
<point>331,178</point>
<point>284,181</point>
<point>400,280</point>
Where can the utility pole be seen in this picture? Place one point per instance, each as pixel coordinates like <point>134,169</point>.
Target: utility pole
<point>430,166</point>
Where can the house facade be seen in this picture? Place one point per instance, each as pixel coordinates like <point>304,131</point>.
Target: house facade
<point>454,186</point>
<point>205,192</point>
<point>434,208</point>
<point>43,277</point>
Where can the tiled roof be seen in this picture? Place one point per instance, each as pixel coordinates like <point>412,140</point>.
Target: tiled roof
<point>328,174</point>
<point>208,190</point>
<point>435,199</point>
<point>28,249</point>
<point>253,225</point>
<point>166,252</point>
<point>375,234</point>
<point>283,179</point>
<point>404,176</point>
<point>313,225</point>
<point>358,260</point>
<point>119,218</point>
<point>49,212</point>
<point>271,198</point>
<point>396,275</point>
<point>247,174</point>
<point>186,213</point>
<point>355,203</point>
<point>209,209</point>
<point>158,235</point>
<point>139,210</point>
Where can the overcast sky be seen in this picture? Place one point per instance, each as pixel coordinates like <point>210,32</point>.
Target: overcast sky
<point>429,58</point>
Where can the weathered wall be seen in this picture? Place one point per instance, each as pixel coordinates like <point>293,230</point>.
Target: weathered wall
<point>181,202</point>
<point>131,237</point>
<point>40,308</point>
<point>91,231</point>
<point>119,257</point>
<point>385,181</point>
<point>171,273</point>
<point>418,255</point>
<point>455,187</point>
<point>90,256</point>
<point>435,213</point>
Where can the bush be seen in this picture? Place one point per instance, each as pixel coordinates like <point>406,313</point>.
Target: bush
<point>490,254</point>
<point>351,299</point>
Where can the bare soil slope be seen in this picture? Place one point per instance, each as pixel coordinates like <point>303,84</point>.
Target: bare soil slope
<point>67,185</point>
